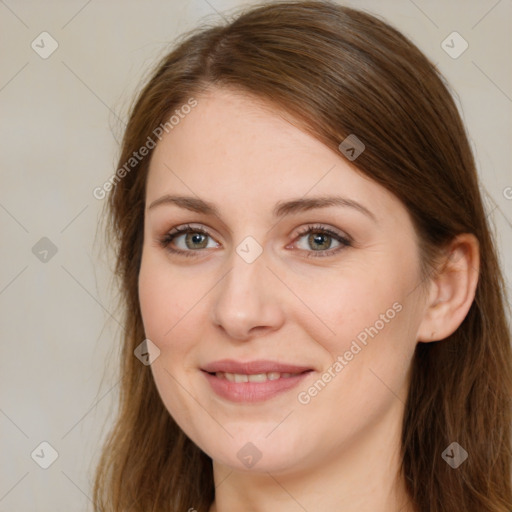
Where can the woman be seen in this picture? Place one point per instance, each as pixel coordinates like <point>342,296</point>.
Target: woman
<point>315,313</point>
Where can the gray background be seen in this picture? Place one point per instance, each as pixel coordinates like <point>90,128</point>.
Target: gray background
<point>61,118</point>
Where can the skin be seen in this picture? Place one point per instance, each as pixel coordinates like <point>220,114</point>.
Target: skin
<point>340,451</point>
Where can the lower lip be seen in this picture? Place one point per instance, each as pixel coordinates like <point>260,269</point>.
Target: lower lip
<point>253,391</point>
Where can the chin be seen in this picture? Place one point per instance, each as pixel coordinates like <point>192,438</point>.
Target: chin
<point>258,456</point>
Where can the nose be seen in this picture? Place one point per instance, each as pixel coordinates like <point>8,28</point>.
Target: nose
<point>245,302</point>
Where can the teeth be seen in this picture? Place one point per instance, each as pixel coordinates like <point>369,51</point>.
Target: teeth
<point>228,376</point>
<point>257,377</point>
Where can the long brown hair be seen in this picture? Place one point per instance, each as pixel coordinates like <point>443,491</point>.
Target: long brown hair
<point>336,71</point>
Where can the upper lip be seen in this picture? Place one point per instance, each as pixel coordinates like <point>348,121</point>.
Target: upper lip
<point>252,367</point>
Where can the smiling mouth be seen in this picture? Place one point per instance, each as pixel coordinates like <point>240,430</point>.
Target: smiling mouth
<point>255,377</point>
<point>253,387</point>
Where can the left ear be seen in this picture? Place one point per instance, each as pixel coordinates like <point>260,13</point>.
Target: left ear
<point>452,290</point>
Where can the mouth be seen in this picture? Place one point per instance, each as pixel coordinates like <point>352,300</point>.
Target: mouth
<point>252,381</point>
<point>254,377</point>
<point>258,366</point>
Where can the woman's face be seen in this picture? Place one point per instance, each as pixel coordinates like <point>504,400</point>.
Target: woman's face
<point>258,298</point>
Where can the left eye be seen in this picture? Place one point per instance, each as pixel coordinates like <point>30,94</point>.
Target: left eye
<point>320,239</point>
<point>317,240</point>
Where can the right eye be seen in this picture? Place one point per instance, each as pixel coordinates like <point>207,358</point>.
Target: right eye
<point>192,240</point>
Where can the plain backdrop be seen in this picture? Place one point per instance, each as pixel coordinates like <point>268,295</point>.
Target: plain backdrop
<point>60,123</point>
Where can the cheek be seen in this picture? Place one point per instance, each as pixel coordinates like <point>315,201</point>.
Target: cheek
<point>365,373</point>
<point>164,304</point>
<point>153,300</point>
<point>364,321</point>
<point>164,298</point>
<point>340,309</point>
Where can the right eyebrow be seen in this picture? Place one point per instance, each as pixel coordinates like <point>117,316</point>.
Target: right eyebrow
<point>188,202</point>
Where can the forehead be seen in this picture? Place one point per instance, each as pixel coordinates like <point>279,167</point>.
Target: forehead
<point>236,149</point>
<point>227,125</point>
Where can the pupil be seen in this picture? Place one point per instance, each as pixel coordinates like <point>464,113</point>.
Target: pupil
<point>319,239</point>
<point>196,239</point>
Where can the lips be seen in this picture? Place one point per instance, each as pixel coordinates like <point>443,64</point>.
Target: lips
<point>253,367</point>
<point>252,381</point>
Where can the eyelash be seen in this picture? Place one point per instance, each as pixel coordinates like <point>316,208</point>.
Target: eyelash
<point>343,240</point>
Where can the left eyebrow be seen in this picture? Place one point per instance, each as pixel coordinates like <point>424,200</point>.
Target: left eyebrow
<point>281,209</point>
<point>304,204</point>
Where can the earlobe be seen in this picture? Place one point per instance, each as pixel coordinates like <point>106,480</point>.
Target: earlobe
<point>452,290</point>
